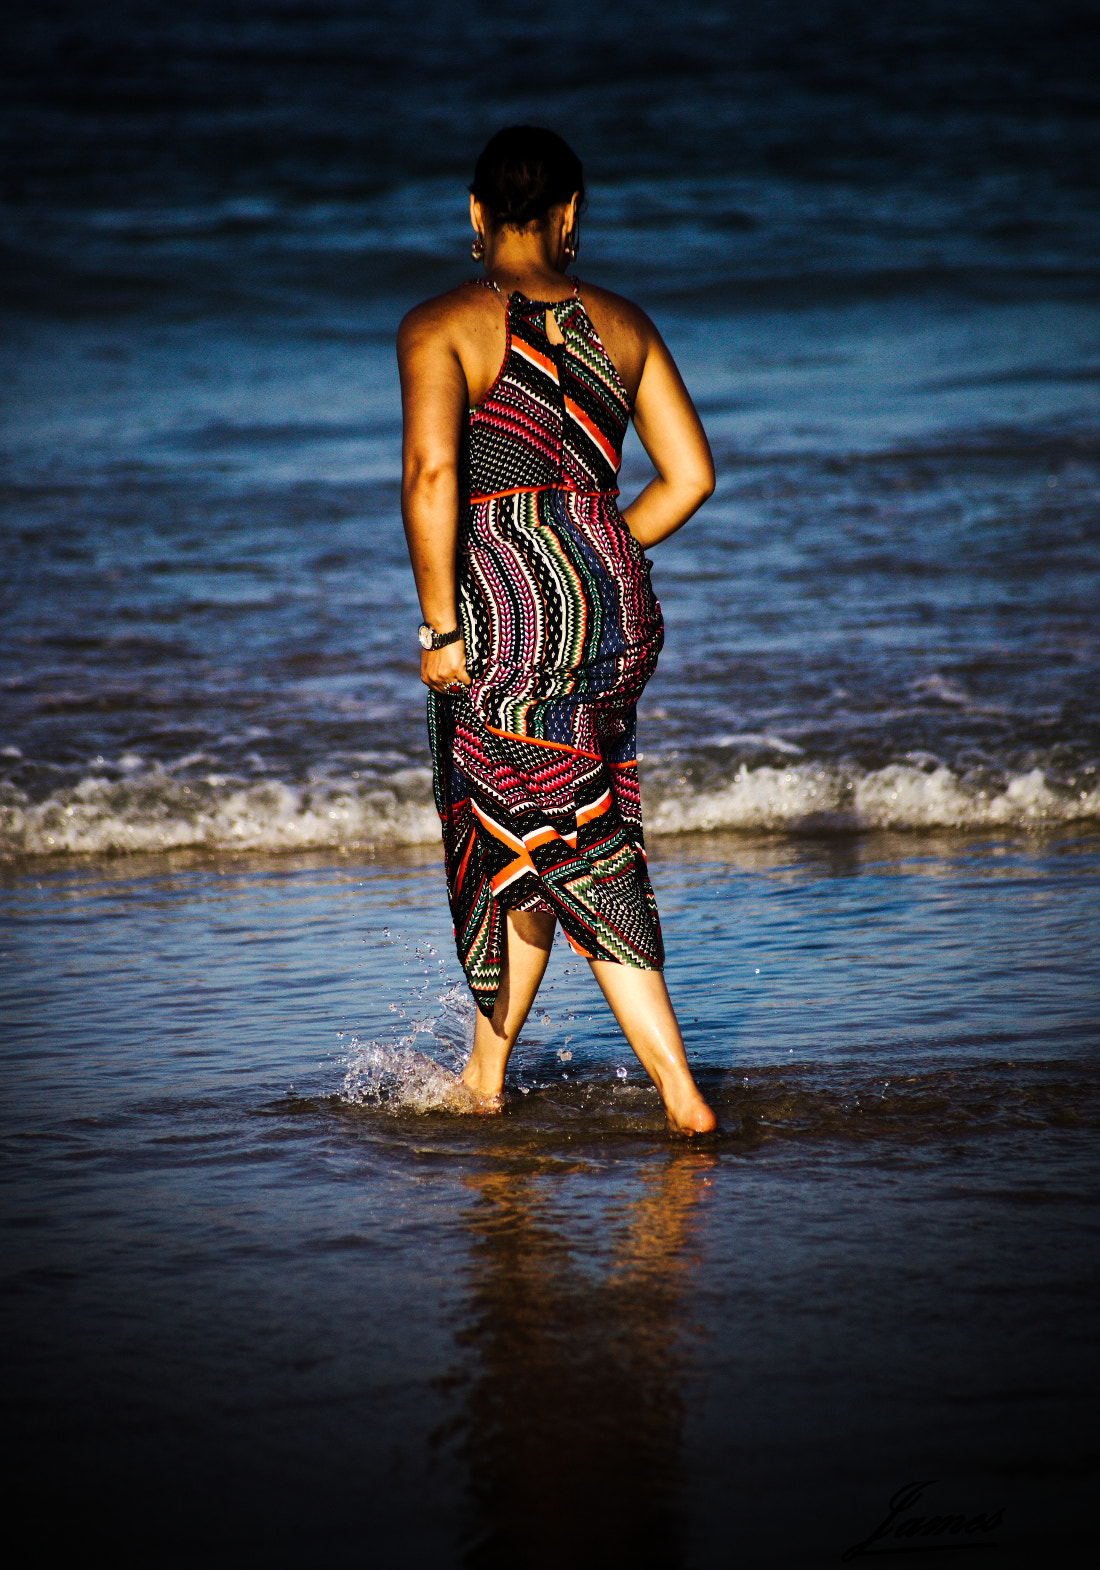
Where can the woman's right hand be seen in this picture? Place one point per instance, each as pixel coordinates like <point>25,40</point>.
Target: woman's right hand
<point>442,668</point>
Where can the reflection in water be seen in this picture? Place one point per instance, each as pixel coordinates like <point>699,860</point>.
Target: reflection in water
<point>573,1422</point>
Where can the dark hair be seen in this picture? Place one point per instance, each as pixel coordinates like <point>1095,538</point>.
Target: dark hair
<point>523,171</point>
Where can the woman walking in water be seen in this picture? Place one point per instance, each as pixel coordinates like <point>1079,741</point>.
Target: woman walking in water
<point>540,626</point>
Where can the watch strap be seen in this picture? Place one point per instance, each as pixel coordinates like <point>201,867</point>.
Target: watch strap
<point>440,640</point>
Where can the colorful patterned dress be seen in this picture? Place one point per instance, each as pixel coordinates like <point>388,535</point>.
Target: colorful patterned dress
<point>535,773</point>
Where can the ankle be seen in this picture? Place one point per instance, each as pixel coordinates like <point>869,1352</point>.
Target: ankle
<point>487,1079</point>
<point>683,1103</point>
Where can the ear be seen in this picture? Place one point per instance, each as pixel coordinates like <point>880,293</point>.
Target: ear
<point>477,219</point>
<point>571,212</point>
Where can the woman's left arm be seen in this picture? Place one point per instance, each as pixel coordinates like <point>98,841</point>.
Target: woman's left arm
<point>672,434</point>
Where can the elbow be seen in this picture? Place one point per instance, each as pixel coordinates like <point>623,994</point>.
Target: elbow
<point>697,478</point>
<point>702,485</point>
<point>426,478</point>
<point>690,488</point>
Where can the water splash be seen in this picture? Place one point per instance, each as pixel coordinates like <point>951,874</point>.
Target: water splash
<point>418,1072</point>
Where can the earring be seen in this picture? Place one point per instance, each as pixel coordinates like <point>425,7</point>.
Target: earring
<point>573,243</point>
<point>477,250</point>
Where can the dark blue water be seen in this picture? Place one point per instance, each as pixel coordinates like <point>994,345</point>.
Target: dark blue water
<point>265,1298</point>
<point>870,238</point>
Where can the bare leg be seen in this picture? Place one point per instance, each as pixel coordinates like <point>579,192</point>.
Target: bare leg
<point>640,1002</point>
<point>530,937</point>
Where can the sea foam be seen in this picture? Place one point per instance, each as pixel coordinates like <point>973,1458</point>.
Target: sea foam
<point>900,796</point>
<point>155,811</point>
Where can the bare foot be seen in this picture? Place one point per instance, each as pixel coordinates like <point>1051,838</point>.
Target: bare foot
<point>483,1097</point>
<point>470,1102</point>
<point>488,1106</point>
<point>693,1118</point>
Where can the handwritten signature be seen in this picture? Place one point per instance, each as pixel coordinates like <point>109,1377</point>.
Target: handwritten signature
<point>920,1531</point>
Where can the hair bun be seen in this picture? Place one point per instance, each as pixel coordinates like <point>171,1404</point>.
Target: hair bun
<point>523,172</point>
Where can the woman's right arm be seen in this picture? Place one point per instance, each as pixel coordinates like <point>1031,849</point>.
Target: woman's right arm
<point>433,403</point>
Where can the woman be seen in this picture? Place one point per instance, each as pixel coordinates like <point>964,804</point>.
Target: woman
<point>540,626</point>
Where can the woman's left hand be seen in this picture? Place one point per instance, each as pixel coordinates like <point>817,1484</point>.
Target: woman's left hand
<point>443,669</point>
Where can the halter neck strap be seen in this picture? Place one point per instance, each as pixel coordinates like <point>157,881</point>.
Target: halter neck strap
<point>527,307</point>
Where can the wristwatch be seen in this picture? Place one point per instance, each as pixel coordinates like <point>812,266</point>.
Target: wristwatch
<point>430,639</point>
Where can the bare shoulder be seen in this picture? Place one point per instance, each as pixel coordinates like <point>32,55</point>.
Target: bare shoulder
<point>459,334</point>
<point>617,309</point>
<point>626,331</point>
<point>448,319</point>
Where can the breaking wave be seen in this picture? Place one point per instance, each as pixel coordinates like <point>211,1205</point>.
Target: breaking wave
<point>805,797</point>
<point>155,811</point>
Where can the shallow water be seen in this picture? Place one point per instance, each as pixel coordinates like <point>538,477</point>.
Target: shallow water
<point>269,1295</point>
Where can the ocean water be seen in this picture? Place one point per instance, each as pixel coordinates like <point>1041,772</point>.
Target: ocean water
<point>265,1296</point>
<point>875,261</point>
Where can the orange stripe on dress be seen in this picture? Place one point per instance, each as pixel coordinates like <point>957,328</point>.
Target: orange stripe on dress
<point>462,864</point>
<point>498,831</point>
<point>537,741</point>
<point>533,490</point>
<point>594,432</point>
<point>509,874</point>
<point>596,810</point>
<point>542,361</point>
<point>561,746</point>
<point>540,837</point>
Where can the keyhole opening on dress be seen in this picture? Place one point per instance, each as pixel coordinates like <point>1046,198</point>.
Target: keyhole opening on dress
<point>553,331</point>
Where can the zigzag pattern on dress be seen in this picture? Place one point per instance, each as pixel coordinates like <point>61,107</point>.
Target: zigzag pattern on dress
<point>556,414</point>
<point>534,764</point>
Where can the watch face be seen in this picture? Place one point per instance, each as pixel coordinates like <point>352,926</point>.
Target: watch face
<point>425,636</point>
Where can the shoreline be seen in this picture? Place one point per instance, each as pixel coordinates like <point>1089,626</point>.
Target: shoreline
<point>745,850</point>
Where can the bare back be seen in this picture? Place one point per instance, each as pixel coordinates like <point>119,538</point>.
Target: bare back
<point>472,322</point>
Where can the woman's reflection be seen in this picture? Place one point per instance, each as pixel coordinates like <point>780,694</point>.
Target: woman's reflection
<point>573,1423</point>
